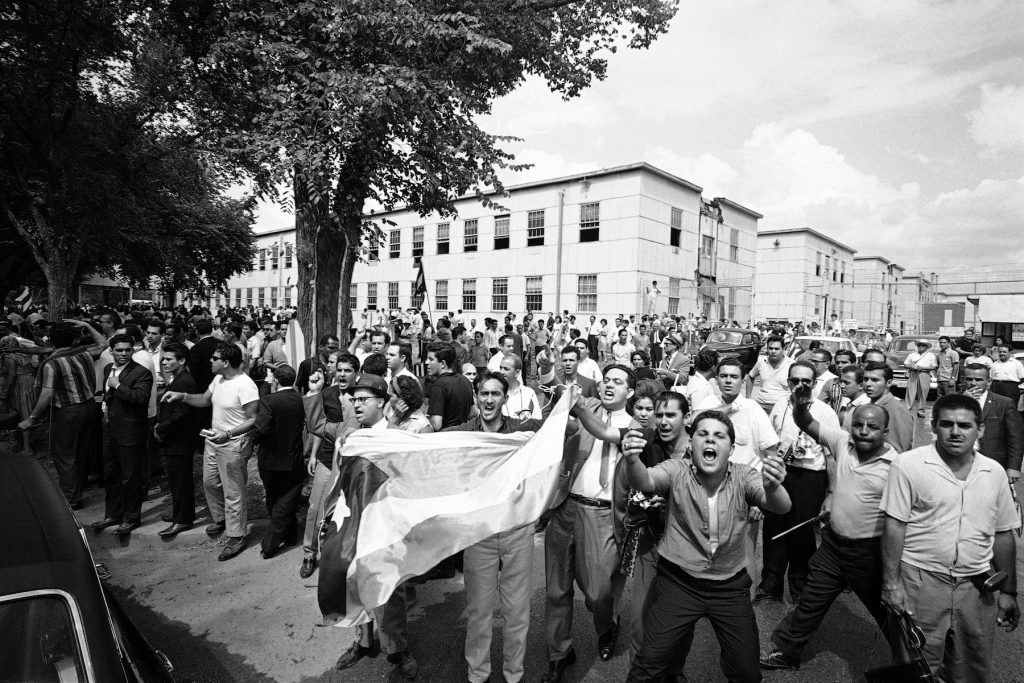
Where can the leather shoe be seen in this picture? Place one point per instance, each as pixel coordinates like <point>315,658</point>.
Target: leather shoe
<point>104,523</point>
<point>606,642</point>
<point>353,654</point>
<point>307,568</point>
<point>404,663</point>
<point>556,668</point>
<point>127,527</point>
<point>777,659</point>
<point>762,595</point>
<point>167,517</point>
<point>173,530</point>
<point>215,528</point>
<point>233,548</point>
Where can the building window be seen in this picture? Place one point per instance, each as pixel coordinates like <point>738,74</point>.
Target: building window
<point>288,253</point>
<point>817,305</point>
<point>817,266</point>
<point>501,232</point>
<point>263,259</point>
<point>673,296</point>
<point>273,297</point>
<point>499,294</point>
<point>590,222</point>
<point>469,242</point>
<point>842,274</point>
<point>734,245</point>
<point>417,241</point>
<point>586,294</point>
<point>534,293</point>
<point>392,296</point>
<point>353,296</point>
<point>415,299</point>
<point>441,295</point>
<point>275,257</point>
<point>248,296</point>
<point>468,295</point>
<point>371,295</point>
<point>731,299</point>
<point>535,229</point>
<point>442,239</point>
<point>707,246</point>
<point>395,244</point>
<point>835,271</point>
<point>261,297</point>
<point>675,234</point>
<point>373,250</point>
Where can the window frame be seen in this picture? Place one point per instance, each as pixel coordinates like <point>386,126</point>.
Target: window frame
<point>590,225</point>
<point>471,235</point>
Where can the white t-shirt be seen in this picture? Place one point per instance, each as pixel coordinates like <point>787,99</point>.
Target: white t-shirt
<point>229,400</point>
<point>589,368</point>
<point>754,432</point>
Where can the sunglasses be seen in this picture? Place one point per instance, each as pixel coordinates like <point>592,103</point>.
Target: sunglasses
<point>804,381</point>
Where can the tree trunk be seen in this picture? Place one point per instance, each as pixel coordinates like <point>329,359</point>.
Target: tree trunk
<point>59,282</point>
<point>320,249</point>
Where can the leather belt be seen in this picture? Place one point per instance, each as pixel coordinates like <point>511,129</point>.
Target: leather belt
<point>590,502</point>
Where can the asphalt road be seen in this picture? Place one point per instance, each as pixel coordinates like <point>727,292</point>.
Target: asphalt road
<point>251,619</point>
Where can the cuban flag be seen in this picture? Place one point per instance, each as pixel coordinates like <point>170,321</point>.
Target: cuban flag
<point>420,285</point>
<point>403,502</point>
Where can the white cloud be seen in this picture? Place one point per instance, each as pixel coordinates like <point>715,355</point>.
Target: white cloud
<point>998,122</point>
<point>706,170</point>
<point>546,165</point>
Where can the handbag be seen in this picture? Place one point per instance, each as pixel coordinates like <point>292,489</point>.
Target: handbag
<point>917,668</point>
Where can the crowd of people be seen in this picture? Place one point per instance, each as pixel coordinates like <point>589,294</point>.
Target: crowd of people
<point>677,463</point>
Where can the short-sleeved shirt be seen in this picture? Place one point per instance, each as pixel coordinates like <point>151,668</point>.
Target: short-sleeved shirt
<point>774,381</point>
<point>230,396</point>
<point>687,538</point>
<point>71,374</point>
<point>807,453</point>
<point>451,397</point>
<point>1009,371</point>
<point>951,524</point>
<point>858,487</point>
<point>522,403</point>
<point>949,365</point>
<point>754,431</point>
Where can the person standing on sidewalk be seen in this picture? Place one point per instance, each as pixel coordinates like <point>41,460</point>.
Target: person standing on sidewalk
<point>773,372</point>
<point>947,373</point>
<point>177,431</point>
<point>235,401</point>
<point>919,365</point>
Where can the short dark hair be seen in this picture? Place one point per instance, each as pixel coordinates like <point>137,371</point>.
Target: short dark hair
<point>718,416</point>
<point>120,339</point>
<point>944,337</point>
<point>846,352</point>
<point>802,364</point>
<point>235,329</point>
<point>956,402</point>
<point>381,333</point>
<point>875,367</point>
<point>665,396</point>
<point>822,351</point>
<point>404,351</point>
<point>134,332</point>
<point>203,326</point>
<point>64,334</point>
<point>285,375</point>
<point>443,353</point>
<point>349,359</point>
<point>978,366</point>
<point>230,354</point>
<point>571,348</point>
<point>408,389</point>
<point>179,351</point>
<point>326,339</point>
<point>646,357</point>
<point>871,351</point>
<point>156,322</point>
<point>375,364</point>
<point>502,338</point>
<point>706,360</point>
<point>490,374</point>
<point>855,370</point>
<point>630,375</point>
<point>733,361</point>
<point>774,338</point>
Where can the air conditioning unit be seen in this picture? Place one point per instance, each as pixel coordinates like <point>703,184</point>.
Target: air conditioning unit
<point>675,250</point>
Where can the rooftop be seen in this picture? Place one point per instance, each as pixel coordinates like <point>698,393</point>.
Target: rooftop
<point>805,230</point>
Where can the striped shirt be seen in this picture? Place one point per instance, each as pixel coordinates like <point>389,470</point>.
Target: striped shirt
<point>70,372</point>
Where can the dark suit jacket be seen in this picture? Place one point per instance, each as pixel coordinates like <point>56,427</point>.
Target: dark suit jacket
<point>199,362</point>
<point>587,385</point>
<point>128,405</point>
<point>178,423</point>
<point>1004,431</point>
<point>280,422</point>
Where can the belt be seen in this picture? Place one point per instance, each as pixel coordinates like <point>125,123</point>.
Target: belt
<point>590,502</point>
<point>843,540</point>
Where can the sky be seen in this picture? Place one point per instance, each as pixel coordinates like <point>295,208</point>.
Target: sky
<point>895,127</point>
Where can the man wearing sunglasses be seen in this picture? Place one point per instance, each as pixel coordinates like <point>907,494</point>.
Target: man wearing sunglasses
<point>807,483</point>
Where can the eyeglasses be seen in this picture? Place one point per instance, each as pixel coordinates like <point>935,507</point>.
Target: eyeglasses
<point>804,381</point>
<point>214,357</point>
<point>360,400</point>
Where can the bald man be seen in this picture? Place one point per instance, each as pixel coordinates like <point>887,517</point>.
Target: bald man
<point>850,553</point>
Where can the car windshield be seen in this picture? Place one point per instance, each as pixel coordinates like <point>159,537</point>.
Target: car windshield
<point>722,337</point>
<point>861,336</point>
<point>40,641</point>
<point>904,345</point>
<point>832,345</point>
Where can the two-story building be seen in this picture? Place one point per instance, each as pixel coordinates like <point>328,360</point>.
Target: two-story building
<point>876,280</point>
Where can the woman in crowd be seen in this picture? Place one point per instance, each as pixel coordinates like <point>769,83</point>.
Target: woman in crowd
<point>641,362</point>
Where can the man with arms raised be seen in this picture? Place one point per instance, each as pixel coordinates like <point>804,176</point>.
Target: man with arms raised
<point>949,521</point>
<point>850,554</point>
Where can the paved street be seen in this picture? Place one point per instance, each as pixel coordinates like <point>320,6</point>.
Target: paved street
<point>254,620</point>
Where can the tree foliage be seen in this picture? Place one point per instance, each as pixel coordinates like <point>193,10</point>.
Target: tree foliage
<point>99,167</point>
<point>377,101</point>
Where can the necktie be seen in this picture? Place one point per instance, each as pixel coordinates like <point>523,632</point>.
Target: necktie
<point>605,451</point>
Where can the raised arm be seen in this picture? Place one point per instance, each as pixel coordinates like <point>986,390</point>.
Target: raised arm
<point>801,400</point>
<point>595,425</point>
<point>637,474</point>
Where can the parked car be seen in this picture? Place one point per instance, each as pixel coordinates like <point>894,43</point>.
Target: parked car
<point>833,344</point>
<point>60,622</point>
<point>867,339</point>
<point>735,342</point>
<point>898,350</point>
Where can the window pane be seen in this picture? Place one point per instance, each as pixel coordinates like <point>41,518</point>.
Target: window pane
<point>590,222</point>
<point>396,244</point>
<point>442,238</point>
<point>469,295</point>
<point>535,229</point>
<point>392,295</point>
<point>417,241</point>
<point>499,293</point>
<point>534,293</point>
<point>586,293</point>
<point>441,295</point>
<point>470,243</point>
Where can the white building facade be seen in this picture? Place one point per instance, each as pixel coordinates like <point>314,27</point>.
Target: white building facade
<point>803,276</point>
<point>591,244</point>
<point>876,282</point>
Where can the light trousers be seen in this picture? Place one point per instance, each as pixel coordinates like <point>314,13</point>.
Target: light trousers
<point>225,476</point>
<point>315,513</point>
<point>498,568</point>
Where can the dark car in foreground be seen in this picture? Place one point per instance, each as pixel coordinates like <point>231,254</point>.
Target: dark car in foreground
<point>735,342</point>
<point>896,355</point>
<point>59,621</point>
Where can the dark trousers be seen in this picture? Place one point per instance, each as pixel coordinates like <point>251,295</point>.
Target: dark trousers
<point>807,490</point>
<point>592,346</point>
<point>282,490</point>
<point>122,478</point>
<point>71,431</point>
<point>1006,388</point>
<point>838,563</point>
<point>676,603</point>
<point>181,483</point>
